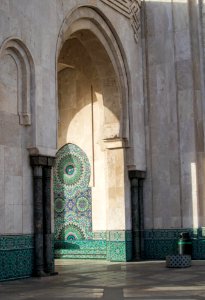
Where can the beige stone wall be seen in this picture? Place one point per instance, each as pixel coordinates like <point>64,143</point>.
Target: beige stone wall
<point>156,94</point>
<point>174,119</point>
<point>39,25</point>
<point>16,201</point>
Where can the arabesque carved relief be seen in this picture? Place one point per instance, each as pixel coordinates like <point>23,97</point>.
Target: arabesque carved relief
<point>131,10</point>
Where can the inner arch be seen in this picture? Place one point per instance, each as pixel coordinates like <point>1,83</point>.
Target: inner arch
<point>84,61</point>
<point>90,114</point>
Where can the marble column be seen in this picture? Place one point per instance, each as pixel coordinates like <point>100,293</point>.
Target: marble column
<point>43,250</point>
<point>136,180</point>
<point>48,250</point>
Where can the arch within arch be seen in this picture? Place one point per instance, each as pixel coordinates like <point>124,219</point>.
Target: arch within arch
<point>86,17</point>
<point>25,70</point>
<point>87,29</point>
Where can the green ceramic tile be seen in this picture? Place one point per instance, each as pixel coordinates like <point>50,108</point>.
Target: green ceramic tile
<point>158,243</point>
<point>16,256</point>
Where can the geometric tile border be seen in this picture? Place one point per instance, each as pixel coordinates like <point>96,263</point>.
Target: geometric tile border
<point>119,245</point>
<point>16,256</point>
<point>81,249</point>
<point>107,245</point>
<point>159,243</point>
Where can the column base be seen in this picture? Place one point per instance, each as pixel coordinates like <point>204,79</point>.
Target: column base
<point>44,274</point>
<point>40,274</point>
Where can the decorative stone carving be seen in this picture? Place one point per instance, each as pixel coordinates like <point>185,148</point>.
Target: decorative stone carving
<point>131,10</point>
<point>25,68</point>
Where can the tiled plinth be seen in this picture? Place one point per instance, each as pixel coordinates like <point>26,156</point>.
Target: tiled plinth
<point>158,243</point>
<point>107,245</point>
<point>16,256</point>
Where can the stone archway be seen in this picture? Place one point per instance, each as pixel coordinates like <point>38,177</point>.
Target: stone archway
<point>93,114</point>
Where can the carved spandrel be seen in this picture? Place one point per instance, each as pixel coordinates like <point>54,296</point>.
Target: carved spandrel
<point>122,6</point>
<point>131,10</point>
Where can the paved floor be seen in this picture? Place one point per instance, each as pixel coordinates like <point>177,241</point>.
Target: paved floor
<point>83,280</point>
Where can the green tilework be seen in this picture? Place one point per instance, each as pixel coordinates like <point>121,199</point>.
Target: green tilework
<point>158,243</point>
<point>16,256</point>
<point>107,245</point>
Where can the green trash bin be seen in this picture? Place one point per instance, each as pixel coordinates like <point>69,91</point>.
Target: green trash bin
<point>184,244</point>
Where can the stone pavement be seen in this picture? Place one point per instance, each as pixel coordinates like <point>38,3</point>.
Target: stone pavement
<point>83,280</point>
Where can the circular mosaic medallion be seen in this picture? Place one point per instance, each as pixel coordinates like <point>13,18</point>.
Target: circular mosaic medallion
<point>71,237</point>
<point>72,170</point>
<point>59,205</point>
<point>73,232</point>
<point>82,204</point>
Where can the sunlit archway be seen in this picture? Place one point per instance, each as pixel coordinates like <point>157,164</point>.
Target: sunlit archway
<point>92,118</point>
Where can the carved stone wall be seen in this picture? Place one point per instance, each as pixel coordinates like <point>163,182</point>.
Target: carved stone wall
<point>131,10</point>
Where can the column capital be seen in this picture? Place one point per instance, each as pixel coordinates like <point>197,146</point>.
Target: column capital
<point>41,160</point>
<point>136,174</point>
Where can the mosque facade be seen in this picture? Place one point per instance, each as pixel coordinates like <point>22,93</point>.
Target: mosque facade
<point>102,117</point>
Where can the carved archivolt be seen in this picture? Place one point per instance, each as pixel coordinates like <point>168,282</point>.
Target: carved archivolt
<point>18,51</point>
<point>131,10</point>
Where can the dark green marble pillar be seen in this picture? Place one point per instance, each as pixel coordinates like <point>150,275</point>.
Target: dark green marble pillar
<point>136,180</point>
<point>43,250</point>
<point>48,249</point>
<point>38,221</point>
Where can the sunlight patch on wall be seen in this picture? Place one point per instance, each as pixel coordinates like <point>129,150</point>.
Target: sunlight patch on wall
<point>194,196</point>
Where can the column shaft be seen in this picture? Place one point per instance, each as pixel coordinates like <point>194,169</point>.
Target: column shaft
<point>48,251</point>
<point>43,252</point>
<point>136,180</point>
<point>38,220</point>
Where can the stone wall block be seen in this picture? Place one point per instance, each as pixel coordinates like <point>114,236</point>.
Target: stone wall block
<point>13,161</point>
<point>160,49</point>
<point>2,198</point>
<point>9,218</point>
<point>10,134</point>
<point>18,219</point>
<point>182,45</point>
<point>13,190</point>
<point>181,15</point>
<point>184,75</point>
<point>28,219</point>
